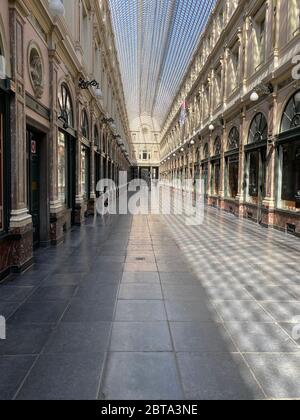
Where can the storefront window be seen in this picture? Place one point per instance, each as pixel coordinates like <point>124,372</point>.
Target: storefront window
<point>233,139</point>
<point>96,138</point>
<point>291,115</point>
<point>290,176</point>
<point>62,168</point>
<point>258,130</point>
<point>289,153</point>
<point>232,168</point>
<point>204,171</point>
<point>253,173</point>
<point>84,125</point>
<point>65,106</point>
<point>216,177</point>
<point>85,172</point>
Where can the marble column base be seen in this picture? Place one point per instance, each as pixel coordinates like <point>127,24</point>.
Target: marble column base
<point>16,250</point>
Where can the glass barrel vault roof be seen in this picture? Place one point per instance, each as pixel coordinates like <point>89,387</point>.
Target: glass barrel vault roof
<point>155,41</point>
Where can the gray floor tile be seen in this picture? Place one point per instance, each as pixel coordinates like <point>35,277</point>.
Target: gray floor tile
<point>140,292</point>
<point>224,292</point>
<point>109,267</point>
<point>79,338</point>
<point>140,310</point>
<point>140,267</point>
<point>39,313</point>
<point>142,376</point>
<point>25,339</point>
<point>184,311</point>
<point>279,374</point>
<point>62,280</point>
<point>186,292</point>
<point>283,311</point>
<point>15,294</point>
<point>141,337</point>
<point>247,311</point>
<point>93,311</point>
<point>217,376</point>
<point>69,377</point>
<point>8,308</point>
<point>97,292</point>
<point>173,268</point>
<point>13,371</point>
<point>179,278</point>
<point>201,337</point>
<point>271,294</point>
<point>260,337</point>
<point>143,278</point>
<point>44,294</point>
<point>101,277</point>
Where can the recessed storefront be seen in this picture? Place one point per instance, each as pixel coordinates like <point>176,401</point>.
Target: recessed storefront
<point>66,154</point>
<point>288,150</point>
<point>232,165</point>
<point>216,168</point>
<point>256,151</point>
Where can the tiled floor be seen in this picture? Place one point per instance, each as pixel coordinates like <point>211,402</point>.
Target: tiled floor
<point>148,308</point>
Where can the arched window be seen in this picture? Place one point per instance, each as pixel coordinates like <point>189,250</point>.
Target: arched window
<point>205,151</point>
<point>217,146</point>
<point>291,115</point>
<point>96,137</point>
<point>84,125</point>
<point>258,130</point>
<point>65,107</point>
<point>233,139</point>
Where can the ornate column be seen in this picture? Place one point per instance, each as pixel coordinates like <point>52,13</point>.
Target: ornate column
<point>269,200</point>
<point>91,202</point>
<point>79,211</point>
<point>21,239</point>
<point>240,199</point>
<point>222,167</point>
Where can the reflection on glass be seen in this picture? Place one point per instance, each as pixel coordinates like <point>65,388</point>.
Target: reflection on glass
<point>290,193</point>
<point>253,174</point>
<point>232,166</point>
<point>85,172</point>
<point>62,168</point>
<point>216,177</point>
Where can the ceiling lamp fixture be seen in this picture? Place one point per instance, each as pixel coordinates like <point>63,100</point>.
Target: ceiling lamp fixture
<point>211,127</point>
<point>261,90</point>
<point>98,93</point>
<point>56,8</point>
<point>254,97</point>
<point>192,142</point>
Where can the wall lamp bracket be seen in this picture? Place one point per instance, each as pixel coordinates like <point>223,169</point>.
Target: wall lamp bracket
<point>264,89</point>
<point>85,84</point>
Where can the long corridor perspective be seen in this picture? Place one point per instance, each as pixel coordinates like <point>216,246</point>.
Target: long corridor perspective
<point>143,307</point>
<point>149,202</point>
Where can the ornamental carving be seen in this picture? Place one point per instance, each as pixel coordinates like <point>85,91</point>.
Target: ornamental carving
<point>36,70</point>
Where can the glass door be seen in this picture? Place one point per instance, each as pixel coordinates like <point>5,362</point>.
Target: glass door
<point>34,184</point>
<point>71,167</point>
<point>204,177</point>
<point>257,179</point>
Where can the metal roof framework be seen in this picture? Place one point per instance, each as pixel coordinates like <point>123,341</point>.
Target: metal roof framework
<point>156,40</point>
